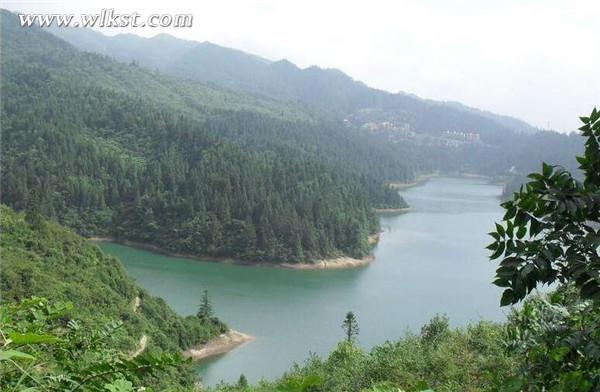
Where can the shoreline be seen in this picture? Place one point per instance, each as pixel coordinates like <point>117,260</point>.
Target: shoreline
<point>392,210</point>
<point>342,262</point>
<point>337,263</point>
<point>420,180</point>
<point>224,343</point>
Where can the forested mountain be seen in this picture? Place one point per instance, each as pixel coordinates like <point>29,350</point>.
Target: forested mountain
<point>323,90</point>
<point>426,134</point>
<point>42,259</point>
<point>113,149</point>
<point>116,149</point>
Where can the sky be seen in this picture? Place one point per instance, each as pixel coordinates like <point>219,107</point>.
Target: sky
<point>535,60</point>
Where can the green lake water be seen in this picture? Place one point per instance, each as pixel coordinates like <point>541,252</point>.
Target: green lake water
<point>429,260</point>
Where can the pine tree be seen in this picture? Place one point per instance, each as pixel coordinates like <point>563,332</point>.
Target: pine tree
<point>205,311</point>
<point>350,326</point>
<point>242,381</point>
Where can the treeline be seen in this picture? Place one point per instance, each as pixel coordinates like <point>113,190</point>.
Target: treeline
<point>113,165</point>
<point>233,183</point>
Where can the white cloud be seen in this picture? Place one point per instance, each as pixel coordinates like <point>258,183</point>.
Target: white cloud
<point>537,60</point>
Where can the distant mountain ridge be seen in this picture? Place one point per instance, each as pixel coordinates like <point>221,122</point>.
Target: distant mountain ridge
<point>384,133</point>
<point>328,92</point>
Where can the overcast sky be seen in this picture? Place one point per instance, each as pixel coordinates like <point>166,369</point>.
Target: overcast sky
<point>536,60</point>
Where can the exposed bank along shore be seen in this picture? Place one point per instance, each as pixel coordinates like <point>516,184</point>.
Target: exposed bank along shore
<point>392,210</point>
<point>219,345</point>
<point>333,263</point>
<point>422,178</point>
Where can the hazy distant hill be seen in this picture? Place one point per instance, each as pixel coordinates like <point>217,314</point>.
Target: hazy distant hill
<point>372,131</point>
<point>325,91</point>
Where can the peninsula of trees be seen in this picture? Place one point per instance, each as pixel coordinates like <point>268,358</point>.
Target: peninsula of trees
<point>111,149</point>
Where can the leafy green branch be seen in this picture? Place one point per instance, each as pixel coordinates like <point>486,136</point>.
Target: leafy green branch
<point>549,232</point>
<point>43,350</point>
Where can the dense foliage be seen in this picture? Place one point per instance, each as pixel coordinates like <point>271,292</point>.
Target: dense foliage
<point>549,344</point>
<point>550,231</point>
<point>558,338</point>
<point>469,359</point>
<point>113,149</point>
<point>42,259</point>
<point>46,260</point>
<point>550,235</point>
<point>44,349</point>
<point>106,156</point>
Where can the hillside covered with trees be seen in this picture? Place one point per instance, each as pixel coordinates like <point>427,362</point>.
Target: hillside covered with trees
<point>114,150</point>
<point>439,131</point>
<point>83,295</point>
<point>326,91</point>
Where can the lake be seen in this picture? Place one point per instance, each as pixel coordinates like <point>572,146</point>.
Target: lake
<point>429,260</point>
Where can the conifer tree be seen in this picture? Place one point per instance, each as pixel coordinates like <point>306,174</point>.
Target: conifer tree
<point>205,311</point>
<point>350,326</point>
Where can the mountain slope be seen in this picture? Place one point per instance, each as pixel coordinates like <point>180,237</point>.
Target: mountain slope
<point>43,259</point>
<point>405,134</point>
<point>113,149</point>
<point>263,121</point>
<point>325,91</point>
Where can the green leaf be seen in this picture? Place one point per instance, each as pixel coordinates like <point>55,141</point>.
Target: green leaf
<point>513,384</point>
<point>546,170</point>
<point>509,229</point>
<point>506,272</point>
<point>20,339</point>
<point>500,230</point>
<point>521,218</point>
<point>507,298</point>
<point>510,213</point>
<point>559,353</point>
<point>536,176</point>
<point>493,246</point>
<point>498,251</point>
<point>119,385</point>
<point>495,235</point>
<point>521,232</point>
<point>14,354</point>
<point>595,115</point>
